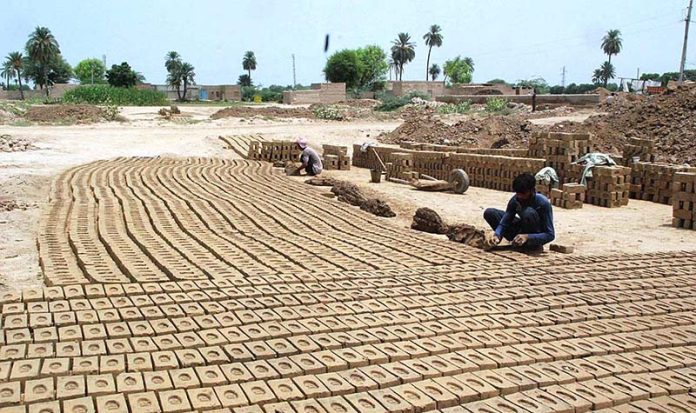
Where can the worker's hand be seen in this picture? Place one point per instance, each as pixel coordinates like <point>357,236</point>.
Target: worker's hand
<point>496,240</point>
<point>520,239</point>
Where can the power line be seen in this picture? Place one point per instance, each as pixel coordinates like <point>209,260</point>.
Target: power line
<point>563,73</point>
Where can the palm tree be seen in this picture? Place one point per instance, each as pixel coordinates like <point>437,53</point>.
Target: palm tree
<point>597,76</point>
<point>611,43</point>
<point>403,51</point>
<point>7,72</point>
<point>391,64</point>
<point>16,61</point>
<point>187,75</point>
<point>603,74</point>
<point>42,48</point>
<point>249,62</point>
<point>469,61</point>
<point>173,65</point>
<point>432,38</point>
<point>434,71</point>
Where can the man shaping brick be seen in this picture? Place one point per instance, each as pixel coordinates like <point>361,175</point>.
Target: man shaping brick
<point>311,162</point>
<point>528,219</point>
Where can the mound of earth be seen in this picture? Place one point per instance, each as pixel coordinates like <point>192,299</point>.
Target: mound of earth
<point>267,111</point>
<point>668,119</point>
<point>64,113</point>
<point>13,144</point>
<point>348,192</point>
<point>478,132</point>
<point>377,207</point>
<point>7,205</point>
<point>427,220</point>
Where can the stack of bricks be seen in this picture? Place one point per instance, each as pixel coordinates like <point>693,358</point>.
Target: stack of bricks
<point>401,165</point>
<point>653,181</point>
<point>520,153</point>
<point>644,149</point>
<point>608,186</point>
<point>432,163</point>
<point>274,151</point>
<point>684,200</point>
<point>493,172</point>
<point>560,150</point>
<point>369,160</point>
<point>336,157</point>
<point>570,196</point>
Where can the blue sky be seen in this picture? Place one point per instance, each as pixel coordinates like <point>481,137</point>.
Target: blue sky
<point>514,39</point>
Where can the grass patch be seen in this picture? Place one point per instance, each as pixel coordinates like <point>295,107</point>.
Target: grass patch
<point>104,94</point>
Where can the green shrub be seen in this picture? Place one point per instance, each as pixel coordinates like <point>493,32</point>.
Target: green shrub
<point>450,108</point>
<point>496,104</point>
<point>390,103</point>
<point>104,94</point>
<point>328,112</point>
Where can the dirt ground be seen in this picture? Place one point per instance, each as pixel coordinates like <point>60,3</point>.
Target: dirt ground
<point>26,176</point>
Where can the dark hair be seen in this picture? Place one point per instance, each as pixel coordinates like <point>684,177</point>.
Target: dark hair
<point>523,183</point>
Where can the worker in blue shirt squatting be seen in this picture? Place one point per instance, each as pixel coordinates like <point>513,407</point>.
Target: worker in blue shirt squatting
<point>527,222</point>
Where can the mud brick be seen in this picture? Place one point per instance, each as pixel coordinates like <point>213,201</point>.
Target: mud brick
<point>140,361</point>
<point>145,402</point>
<point>93,332</point>
<point>236,372</point>
<point>261,370</point>
<point>238,352</point>
<point>25,369</point>
<point>130,383</point>
<point>86,316</point>
<point>336,404</point>
<point>79,405</point>
<point>45,407</point>
<point>336,383</point>
<point>100,384</point>
<point>16,321</point>
<point>39,390</point>
<point>311,386</point>
<point>231,395</point>
<point>203,399</point>
<point>189,357</point>
<point>282,347</point>
<point>285,390</point>
<point>140,328</point>
<point>157,380</point>
<point>164,360</point>
<point>166,342</point>
<point>141,344</point>
<point>258,392</point>
<point>364,402</point>
<point>93,347</point>
<point>185,324</point>
<point>10,393</point>
<point>152,312</point>
<point>184,378</point>
<point>174,401</point>
<point>112,364</point>
<point>163,327</point>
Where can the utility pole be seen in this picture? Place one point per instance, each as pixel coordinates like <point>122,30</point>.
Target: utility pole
<point>104,60</point>
<point>563,73</point>
<point>294,79</point>
<point>686,38</point>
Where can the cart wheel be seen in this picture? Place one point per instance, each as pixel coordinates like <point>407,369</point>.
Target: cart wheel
<point>459,181</point>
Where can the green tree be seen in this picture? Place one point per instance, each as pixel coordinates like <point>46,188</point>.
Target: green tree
<point>434,72</point>
<point>538,84</point>
<point>173,65</point>
<point>457,70</point>
<point>244,80</point>
<point>15,64</point>
<point>603,74</point>
<point>372,66</point>
<point>249,62</point>
<point>42,49</point>
<point>612,43</point>
<point>90,71</point>
<point>402,51</point>
<point>432,38</point>
<point>497,82</point>
<point>343,66</point>
<point>650,76</point>
<point>187,76</point>
<point>7,72</point>
<point>121,75</point>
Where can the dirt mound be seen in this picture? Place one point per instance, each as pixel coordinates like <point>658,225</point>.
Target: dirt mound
<point>320,181</point>
<point>471,236</point>
<point>349,193</point>
<point>7,205</point>
<point>361,103</point>
<point>12,144</point>
<point>478,132</point>
<point>268,111</point>
<point>668,119</point>
<point>64,113</point>
<point>377,207</point>
<point>427,220</point>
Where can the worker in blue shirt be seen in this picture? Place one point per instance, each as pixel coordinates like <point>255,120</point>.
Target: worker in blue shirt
<point>527,222</point>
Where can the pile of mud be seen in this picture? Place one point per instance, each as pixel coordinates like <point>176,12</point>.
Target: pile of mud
<point>669,119</point>
<point>349,193</point>
<point>494,131</point>
<point>7,205</point>
<point>64,113</point>
<point>430,221</point>
<point>268,111</point>
<point>13,144</point>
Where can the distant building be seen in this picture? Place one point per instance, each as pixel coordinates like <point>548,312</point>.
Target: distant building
<point>325,93</point>
<point>201,92</point>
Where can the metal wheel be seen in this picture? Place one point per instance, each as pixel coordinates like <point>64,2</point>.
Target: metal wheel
<point>459,181</point>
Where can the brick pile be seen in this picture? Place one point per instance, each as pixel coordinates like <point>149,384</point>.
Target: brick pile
<point>569,196</point>
<point>401,166</point>
<point>644,149</point>
<point>653,181</point>
<point>684,200</point>
<point>464,149</point>
<point>274,151</point>
<point>560,150</point>
<point>608,186</point>
<point>336,157</point>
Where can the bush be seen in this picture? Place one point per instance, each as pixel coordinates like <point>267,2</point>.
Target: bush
<point>104,94</point>
<point>496,104</point>
<point>390,103</point>
<point>450,108</point>
<point>328,113</point>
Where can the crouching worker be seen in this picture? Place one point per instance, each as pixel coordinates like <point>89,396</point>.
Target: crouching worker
<point>527,222</point>
<point>311,162</point>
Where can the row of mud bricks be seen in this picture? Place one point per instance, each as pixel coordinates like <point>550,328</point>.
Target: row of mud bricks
<point>684,200</point>
<point>336,157</point>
